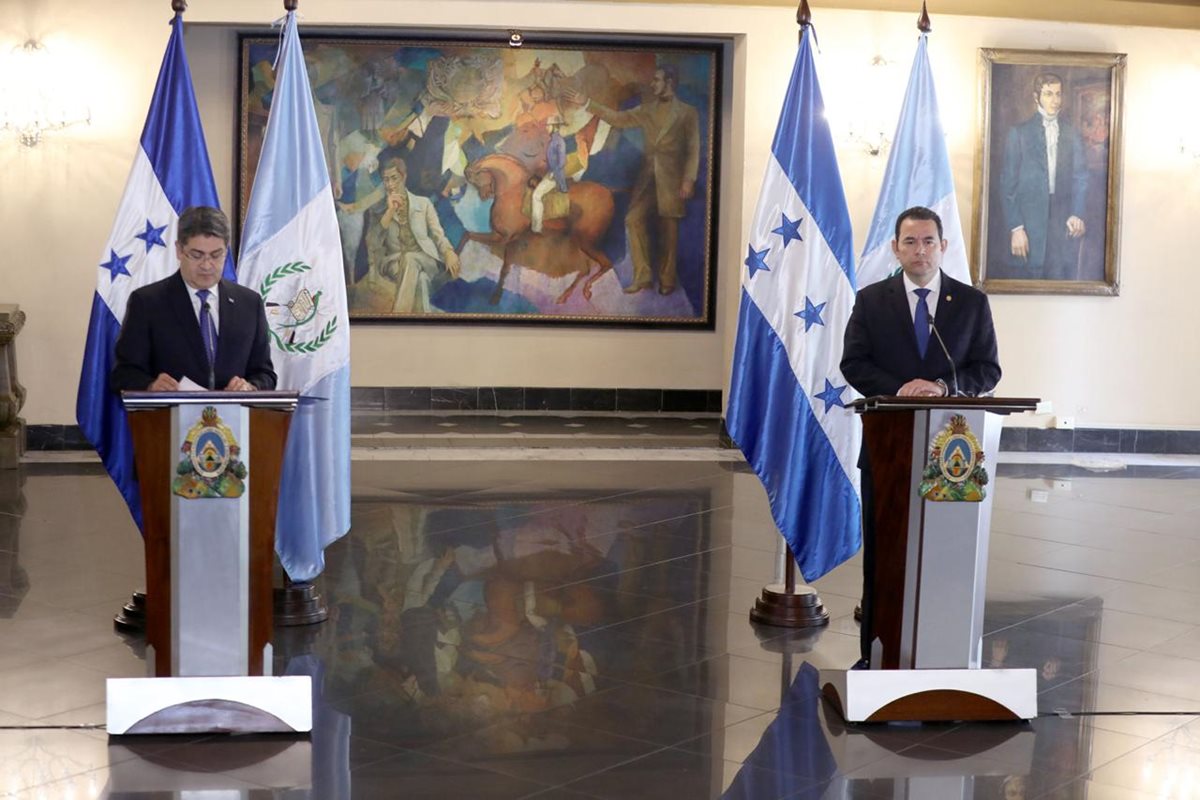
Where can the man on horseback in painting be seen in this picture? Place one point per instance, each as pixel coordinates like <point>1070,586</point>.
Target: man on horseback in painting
<point>555,177</point>
<point>671,131</point>
<point>406,243</point>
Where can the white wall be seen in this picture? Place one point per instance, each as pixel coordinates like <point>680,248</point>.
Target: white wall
<point>1107,361</point>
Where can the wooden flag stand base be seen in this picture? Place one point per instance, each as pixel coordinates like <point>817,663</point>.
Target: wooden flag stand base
<point>299,603</point>
<point>786,605</point>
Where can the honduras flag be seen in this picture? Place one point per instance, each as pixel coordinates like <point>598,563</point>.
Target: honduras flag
<point>292,256</point>
<point>170,172</point>
<point>787,398</point>
<point>918,174</point>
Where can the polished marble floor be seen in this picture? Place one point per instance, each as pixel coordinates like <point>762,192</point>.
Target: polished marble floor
<point>578,629</point>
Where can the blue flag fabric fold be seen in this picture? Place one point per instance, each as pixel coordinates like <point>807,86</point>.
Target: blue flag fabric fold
<point>170,172</point>
<point>917,174</point>
<point>292,255</point>
<point>787,402</point>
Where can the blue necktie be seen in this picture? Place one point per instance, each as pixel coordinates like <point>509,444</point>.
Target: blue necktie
<point>208,330</point>
<point>921,321</point>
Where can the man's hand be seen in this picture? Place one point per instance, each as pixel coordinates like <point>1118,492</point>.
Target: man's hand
<point>575,97</point>
<point>163,383</point>
<point>237,384</point>
<point>453,265</point>
<point>1075,227</point>
<point>921,388</point>
<point>1020,244</point>
<point>392,211</point>
<point>687,189</point>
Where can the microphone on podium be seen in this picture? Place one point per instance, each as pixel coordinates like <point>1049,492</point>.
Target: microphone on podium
<point>946,352</point>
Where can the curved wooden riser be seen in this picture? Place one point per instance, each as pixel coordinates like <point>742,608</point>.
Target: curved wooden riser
<point>934,705</point>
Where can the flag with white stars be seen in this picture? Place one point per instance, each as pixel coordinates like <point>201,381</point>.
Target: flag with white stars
<point>918,174</point>
<point>292,256</point>
<point>787,397</point>
<point>171,172</point>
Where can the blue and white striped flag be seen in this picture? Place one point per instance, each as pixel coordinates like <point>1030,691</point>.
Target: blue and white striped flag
<point>170,172</point>
<point>918,174</point>
<point>787,405</point>
<point>292,256</point>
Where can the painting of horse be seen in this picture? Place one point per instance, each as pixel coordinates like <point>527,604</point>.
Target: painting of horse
<point>472,181</point>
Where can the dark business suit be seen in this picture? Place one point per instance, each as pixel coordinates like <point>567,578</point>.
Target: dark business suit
<point>161,334</point>
<point>1025,190</point>
<point>880,355</point>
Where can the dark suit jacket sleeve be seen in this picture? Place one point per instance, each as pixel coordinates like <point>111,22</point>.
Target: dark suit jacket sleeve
<point>858,361</point>
<point>1010,179</point>
<point>979,372</point>
<point>1079,173</point>
<point>259,369</point>
<point>132,368</point>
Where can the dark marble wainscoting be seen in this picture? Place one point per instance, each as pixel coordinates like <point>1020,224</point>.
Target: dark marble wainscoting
<point>534,398</point>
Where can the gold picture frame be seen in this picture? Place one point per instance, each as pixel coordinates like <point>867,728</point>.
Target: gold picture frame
<point>1037,231</point>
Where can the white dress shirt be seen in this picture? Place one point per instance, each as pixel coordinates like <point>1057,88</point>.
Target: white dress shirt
<point>1050,125</point>
<point>214,305</point>
<point>931,300</point>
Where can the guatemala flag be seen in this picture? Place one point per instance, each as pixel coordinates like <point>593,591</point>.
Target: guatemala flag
<point>787,404</point>
<point>170,172</point>
<point>918,174</point>
<point>292,256</point>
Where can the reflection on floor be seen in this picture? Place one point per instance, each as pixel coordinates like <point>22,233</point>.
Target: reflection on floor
<point>579,629</point>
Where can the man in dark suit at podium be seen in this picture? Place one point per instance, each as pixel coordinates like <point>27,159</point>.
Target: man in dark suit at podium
<point>892,348</point>
<point>193,324</point>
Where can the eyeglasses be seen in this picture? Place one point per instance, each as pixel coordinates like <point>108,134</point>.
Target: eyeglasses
<point>199,256</point>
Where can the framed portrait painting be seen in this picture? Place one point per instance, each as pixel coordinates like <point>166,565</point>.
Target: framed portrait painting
<point>556,182</point>
<point>1048,172</point>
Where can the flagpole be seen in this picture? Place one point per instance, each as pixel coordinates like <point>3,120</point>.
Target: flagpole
<point>923,23</point>
<point>131,619</point>
<point>297,602</point>
<point>789,605</point>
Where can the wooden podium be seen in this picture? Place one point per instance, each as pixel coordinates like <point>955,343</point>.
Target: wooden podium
<point>208,467</point>
<point>930,461</point>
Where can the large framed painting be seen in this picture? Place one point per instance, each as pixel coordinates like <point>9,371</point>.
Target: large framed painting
<point>548,183</point>
<point>1048,172</point>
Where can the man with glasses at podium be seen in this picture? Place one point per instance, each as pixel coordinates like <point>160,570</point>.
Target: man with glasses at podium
<point>916,334</point>
<point>192,329</point>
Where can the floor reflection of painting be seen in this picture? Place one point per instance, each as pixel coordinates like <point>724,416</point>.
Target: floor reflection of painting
<point>460,616</point>
<point>478,180</point>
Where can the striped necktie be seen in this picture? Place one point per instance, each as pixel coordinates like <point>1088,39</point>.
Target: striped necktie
<point>208,329</point>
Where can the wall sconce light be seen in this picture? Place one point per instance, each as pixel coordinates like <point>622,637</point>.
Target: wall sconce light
<point>37,95</point>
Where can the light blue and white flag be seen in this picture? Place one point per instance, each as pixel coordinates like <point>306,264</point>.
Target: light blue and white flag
<point>170,172</point>
<point>918,174</point>
<point>787,404</point>
<point>292,256</point>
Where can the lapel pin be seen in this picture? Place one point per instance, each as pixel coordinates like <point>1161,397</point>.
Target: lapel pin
<point>949,297</point>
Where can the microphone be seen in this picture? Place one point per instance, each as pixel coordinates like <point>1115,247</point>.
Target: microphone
<point>946,352</point>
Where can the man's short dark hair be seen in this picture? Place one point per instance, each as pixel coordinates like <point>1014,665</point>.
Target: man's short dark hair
<point>1045,79</point>
<point>396,163</point>
<point>919,212</point>
<point>202,221</point>
<point>670,74</point>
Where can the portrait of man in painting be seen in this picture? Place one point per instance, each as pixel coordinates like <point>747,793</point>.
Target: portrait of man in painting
<point>486,182</point>
<point>1049,190</point>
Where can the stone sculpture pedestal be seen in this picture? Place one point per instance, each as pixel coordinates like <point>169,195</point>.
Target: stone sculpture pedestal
<point>12,393</point>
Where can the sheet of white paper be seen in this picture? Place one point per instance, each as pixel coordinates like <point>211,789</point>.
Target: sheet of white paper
<point>186,384</point>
